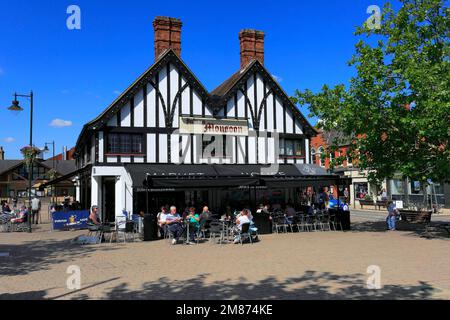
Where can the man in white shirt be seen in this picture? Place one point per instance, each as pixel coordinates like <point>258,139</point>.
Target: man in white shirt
<point>35,208</point>
<point>241,220</point>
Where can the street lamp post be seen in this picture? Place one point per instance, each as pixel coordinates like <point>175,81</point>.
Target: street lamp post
<point>16,107</point>
<point>46,149</point>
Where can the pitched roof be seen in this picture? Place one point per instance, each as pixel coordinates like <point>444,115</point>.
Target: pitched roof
<point>6,165</point>
<point>216,99</point>
<point>168,56</point>
<point>62,167</point>
<point>225,91</point>
<point>227,84</point>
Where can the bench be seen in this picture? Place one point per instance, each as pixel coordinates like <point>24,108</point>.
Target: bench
<point>420,217</point>
<point>381,203</point>
<point>364,202</point>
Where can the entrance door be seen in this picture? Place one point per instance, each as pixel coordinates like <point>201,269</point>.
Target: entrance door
<point>109,199</point>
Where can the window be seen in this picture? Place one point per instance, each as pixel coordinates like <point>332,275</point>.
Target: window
<point>39,173</point>
<point>320,153</point>
<point>313,156</point>
<point>292,148</point>
<point>416,187</point>
<point>124,143</point>
<point>397,186</point>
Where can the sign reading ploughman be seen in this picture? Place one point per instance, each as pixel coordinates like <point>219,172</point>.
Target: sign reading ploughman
<point>213,126</point>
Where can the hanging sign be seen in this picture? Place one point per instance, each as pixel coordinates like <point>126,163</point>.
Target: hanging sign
<point>213,126</point>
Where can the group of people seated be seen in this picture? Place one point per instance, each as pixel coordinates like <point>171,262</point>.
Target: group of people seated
<point>191,222</point>
<point>169,220</point>
<point>21,216</point>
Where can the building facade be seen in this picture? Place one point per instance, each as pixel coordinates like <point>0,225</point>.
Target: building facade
<point>166,126</point>
<point>397,188</point>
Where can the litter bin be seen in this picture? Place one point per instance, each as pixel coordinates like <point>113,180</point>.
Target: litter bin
<point>343,217</point>
<point>262,222</point>
<point>150,227</point>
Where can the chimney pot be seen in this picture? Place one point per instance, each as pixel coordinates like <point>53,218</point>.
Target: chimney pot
<point>167,35</point>
<point>252,46</point>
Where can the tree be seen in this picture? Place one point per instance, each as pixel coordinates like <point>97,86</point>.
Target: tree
<point>396,108</point>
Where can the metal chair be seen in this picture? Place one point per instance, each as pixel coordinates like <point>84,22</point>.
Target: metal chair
<point>309,223</point>
<point>280,222</point>
<point>215,229</point>
<point>245,233</point>
<point>299,222</point>
<point>95,231</point>
<point>335,222</point>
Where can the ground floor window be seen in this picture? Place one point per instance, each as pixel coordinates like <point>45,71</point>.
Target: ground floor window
<point>397,186</point>
<point>361,190</point>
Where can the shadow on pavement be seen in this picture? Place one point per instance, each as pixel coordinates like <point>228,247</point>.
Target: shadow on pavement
<point>409,229</point>
<point>312,285</point>
<point>40,255</point>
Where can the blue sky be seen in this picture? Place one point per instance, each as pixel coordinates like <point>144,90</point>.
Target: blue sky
<point>75,74</point>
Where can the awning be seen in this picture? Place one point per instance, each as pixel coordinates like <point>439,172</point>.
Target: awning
<point>225,175</point>
<point>183,176</point>
<point>64,177</point>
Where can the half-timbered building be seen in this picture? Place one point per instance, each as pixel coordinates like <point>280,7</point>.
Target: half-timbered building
<point>166,139</point>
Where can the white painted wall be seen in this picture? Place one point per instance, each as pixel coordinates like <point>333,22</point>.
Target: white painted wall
<point>124,187</point>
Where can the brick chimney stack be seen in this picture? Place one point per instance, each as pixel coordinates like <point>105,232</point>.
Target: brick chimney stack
<point>252,46</point>
<point>2,154</point>
<point>167,35</point>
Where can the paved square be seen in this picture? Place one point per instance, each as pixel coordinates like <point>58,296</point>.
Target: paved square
<point>319,265</point>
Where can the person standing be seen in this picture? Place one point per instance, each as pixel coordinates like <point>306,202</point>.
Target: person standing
<point>384,196</point>
<point>35,210</point>
<point>346,195</point>
<point>392,216</point>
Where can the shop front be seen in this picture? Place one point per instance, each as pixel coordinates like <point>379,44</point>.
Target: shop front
<point>222,186</point>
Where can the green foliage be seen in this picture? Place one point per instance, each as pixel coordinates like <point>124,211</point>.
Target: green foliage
<point>397,107</point>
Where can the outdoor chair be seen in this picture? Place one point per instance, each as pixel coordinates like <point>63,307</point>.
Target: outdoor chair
<point>5,223</point>
<point>118,231</point>
<point>280,223</point>
<point>216,229</point>
<point>245,233</point>
<point>309,223</point>
<point>322,222</point>
<point>335,222</point>
<point>95,231</point>
<point>299,222</point>
<point>325,220</point>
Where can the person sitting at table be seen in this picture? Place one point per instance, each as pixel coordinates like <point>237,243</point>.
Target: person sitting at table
<point>289,214</point>
<point>173,222</point>
<point>5,207</point>
<point>161,218</point>
<point>206,214</point>
<point>241,220</point>
<point>227,215</point>
<point>22,216</point>
<point>94,218</point>
<point>194,224</point>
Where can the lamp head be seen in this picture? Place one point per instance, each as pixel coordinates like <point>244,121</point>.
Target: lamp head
<point>15,106</point>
